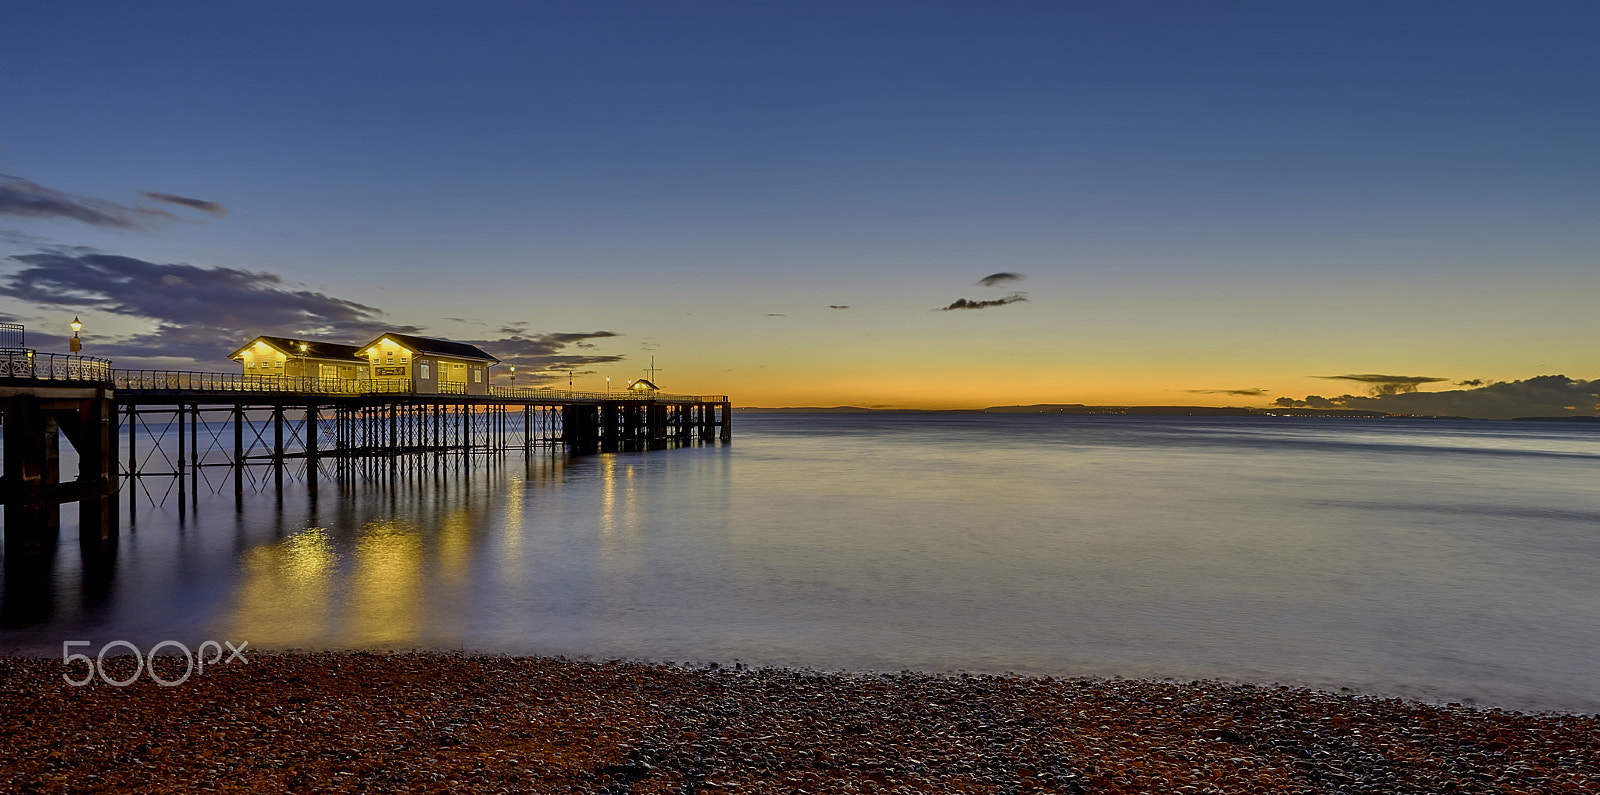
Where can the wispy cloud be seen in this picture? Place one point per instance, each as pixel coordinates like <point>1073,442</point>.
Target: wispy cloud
<point>776,314</point>
<point>21,198</point>
<point>838,306</point>
<point>184,201</point>
<point>1253,392</point>
<point>543,358</point>
<point>965,303</point>
<point>997,279</point>
<point>1386,384</point>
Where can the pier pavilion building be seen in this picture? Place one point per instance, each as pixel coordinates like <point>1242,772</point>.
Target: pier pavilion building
<point>434,366</point>
<point>271,357</point>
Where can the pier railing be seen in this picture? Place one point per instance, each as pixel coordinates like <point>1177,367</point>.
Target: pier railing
<point>531,393</point>
<point>25,363</point>
<point>197,381</point>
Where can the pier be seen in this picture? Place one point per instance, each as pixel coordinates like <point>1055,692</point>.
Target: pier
<point>132,424</point>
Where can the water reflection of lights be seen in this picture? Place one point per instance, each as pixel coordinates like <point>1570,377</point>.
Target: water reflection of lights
<point>386,597</point>
<point>283,596</point>
<point>619,519</point>
<point>509,555</point>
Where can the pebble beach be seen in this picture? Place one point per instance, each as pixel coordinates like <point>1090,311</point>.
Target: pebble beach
<point>439,722</point>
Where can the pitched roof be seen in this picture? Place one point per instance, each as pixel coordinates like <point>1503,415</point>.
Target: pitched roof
<point>314,349</point>
<point>436,347</point>
<point>643,383</point>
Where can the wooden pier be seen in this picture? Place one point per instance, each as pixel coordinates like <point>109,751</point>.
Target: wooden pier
<point>141,423</point>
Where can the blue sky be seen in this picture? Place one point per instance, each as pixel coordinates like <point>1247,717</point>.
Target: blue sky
<point>1200,195</point>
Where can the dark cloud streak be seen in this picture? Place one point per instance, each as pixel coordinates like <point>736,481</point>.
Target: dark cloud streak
<point>183,201</point>
<point>1386,384</point>
<point>21,198</point>
<point>997,279</point>
<point>965,303</point>
<point>1253,392</point>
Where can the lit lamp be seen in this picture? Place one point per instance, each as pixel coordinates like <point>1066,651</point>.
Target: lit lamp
<point>608,384</point>
<point>302,360</point>
<point>76,344</point>
<point>513,375</point>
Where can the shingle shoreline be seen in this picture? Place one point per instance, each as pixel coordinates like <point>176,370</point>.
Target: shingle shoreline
<point>354,722</point>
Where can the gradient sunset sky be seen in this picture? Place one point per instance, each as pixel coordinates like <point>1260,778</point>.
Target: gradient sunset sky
<point>1211,203</point>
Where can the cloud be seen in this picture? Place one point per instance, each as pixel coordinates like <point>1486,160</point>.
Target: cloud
<point>838,306</point>
<point>963,303</point>
<point>776,314</point>
<point>21,198</point>
<point>1471,382</point>
<point>200,313</point>
<point>541,358</point>
<point>1540,396</point>
<point>203,314</point>
<point>1311,402</point>
<point>1386,384</point>
<point>183,201</point>
<point>1254,392</point>
<point>997,279</point>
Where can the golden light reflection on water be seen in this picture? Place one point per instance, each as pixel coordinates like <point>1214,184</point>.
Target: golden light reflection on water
<point>386,595</point>
<point>619,518</point>
<point>285,590</point>
<point>509,554</point>
<point>454,546</point>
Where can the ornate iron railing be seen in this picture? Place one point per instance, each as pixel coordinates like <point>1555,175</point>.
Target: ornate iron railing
<point>198,381</point>
<point>24,363</point>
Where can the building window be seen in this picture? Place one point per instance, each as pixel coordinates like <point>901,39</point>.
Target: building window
<point>424,366</point>
<point>279,365</point>
<point>477,375</point>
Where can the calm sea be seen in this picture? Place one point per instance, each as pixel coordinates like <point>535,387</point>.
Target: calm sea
<point>1442,560</point>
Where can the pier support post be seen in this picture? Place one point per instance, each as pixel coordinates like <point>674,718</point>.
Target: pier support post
<point>580,428</point>
<point>277,447</point>
<point>95,437</point>
<point>32,468</point>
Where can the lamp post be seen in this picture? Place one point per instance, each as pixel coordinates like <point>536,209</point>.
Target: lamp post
<point>513,375</point>
<point>76,344</point>
<point>608,386</point>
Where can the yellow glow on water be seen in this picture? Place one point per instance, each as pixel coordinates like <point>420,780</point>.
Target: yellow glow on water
<point>386,599</point>
<point>283,596</point>
<point>620,517</point>
<point>455,546</point>
<point>509,553</point>
<point>608,495</point>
